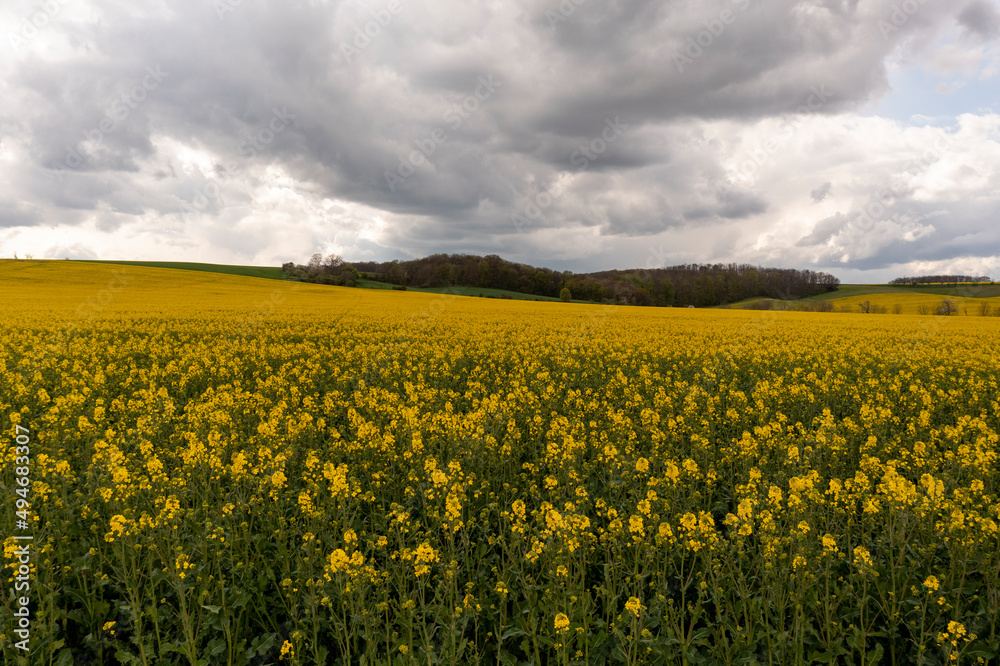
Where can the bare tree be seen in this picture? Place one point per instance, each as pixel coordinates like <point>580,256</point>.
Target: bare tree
<point>923,309</point>
<point>897,308</point>
<point>332,262</point>
<point>948,307</point>
<point>866,307</point>
<point>984,309</point>
<point>315,266</point>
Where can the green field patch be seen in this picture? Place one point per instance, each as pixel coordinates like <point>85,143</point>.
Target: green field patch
<point>268,272</point>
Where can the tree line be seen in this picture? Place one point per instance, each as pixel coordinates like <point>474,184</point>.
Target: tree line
<point>323,270</point>
<point>700,285</point>
<point>941,279</point>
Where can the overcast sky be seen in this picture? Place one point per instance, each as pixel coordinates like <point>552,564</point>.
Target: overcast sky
<point>861,137</point>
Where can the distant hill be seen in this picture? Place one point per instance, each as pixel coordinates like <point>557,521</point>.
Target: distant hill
<point>701,285</point>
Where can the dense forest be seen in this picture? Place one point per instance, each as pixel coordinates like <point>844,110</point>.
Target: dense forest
<point>700,285</point>
<point>941,279</point>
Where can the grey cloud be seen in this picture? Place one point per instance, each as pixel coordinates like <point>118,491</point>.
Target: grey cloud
<point>980,18</point>
<point>736,204</point>
<point>821,192</point>
<point>17,215</point>
<point>355,120</point>
<point>893,240</point>
<point>825,229</point>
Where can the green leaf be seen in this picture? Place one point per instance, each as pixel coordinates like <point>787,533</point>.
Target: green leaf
<point>513,632</point>
<point>125,658</point>
<point>877,656</point>
<point>216,646</point>
<point>701,636</point>
<point>264,643</point>
<point>213,609</point>
<point>985,653</point>
<point>507,658</point>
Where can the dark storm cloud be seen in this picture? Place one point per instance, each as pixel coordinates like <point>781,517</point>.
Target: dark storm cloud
<point>370,88</point>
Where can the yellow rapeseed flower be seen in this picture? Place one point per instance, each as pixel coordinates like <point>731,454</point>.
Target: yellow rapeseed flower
<point>561,623</point>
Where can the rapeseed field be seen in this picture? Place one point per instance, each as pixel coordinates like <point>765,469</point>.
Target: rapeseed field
<point>227,470</point>
<point>908,303</point>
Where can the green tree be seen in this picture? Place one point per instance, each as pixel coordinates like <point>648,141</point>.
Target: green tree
<point>565,296</point>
